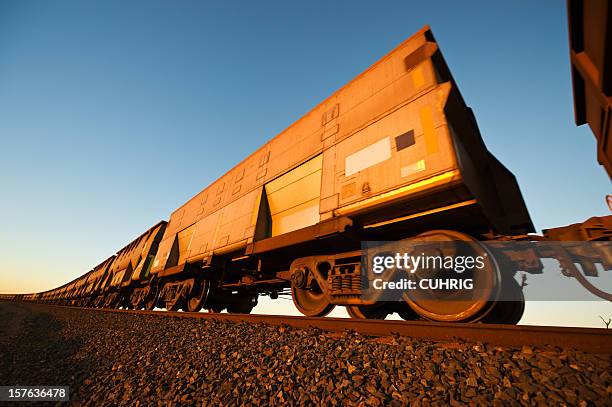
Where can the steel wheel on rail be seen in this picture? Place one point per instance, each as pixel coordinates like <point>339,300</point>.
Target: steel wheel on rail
<point>244,305</point>
<point>510,307</point>
<point>198,295</point>
<point>405,312</point>
<point>376,311</point>
<point>175,304</point>
<point>150,297</point>
<point>457,305</point>
<point>127,304</point>
<point>136,301</point>
<point>307,295</point>
<point>117,301</point>
<point>109,301</point>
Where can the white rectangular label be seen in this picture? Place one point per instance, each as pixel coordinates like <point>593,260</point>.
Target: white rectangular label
<point>413,168</point>
<point>367,157</point>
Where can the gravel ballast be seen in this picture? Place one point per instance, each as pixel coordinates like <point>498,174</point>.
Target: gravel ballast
<point>125,359</point>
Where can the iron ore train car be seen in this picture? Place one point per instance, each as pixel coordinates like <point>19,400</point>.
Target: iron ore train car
<point>396,153</point>
<point>397,142</point>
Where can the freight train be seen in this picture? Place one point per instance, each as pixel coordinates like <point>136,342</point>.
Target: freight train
<point>396,153</point>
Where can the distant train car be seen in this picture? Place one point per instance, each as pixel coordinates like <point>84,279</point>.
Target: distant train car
<point>126,281</point>
<point>97,275</point>
<point>77,287</point>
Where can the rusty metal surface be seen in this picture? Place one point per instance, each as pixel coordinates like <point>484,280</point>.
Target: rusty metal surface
<point>595,228</point>
<point>590,40</point>
<point>592,340</point>
<point>325,228</point>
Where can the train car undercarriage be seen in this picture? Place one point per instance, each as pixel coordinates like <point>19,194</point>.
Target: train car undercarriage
<point>319,283</point>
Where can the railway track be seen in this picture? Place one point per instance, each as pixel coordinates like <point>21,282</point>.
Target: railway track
<point>592,340</point>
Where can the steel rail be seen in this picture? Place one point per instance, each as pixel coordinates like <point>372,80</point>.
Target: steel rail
<point>592,340</point>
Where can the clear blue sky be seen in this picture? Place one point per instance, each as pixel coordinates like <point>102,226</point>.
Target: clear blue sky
<point>114,113</point>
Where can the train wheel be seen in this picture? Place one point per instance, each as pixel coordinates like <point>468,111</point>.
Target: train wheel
<point>198,295</point>
<point>177,302</point>
<point>405,312</point>
<point>106,301</point>
<point>510,308</point>
<point>367,311</point>
<point>242,306</point>
<point>307,296</point>
<point>174,305</point>
<point>457,305</point>
<point>127,304</point>
<point>150,298</point>
<point>116,302</point>
<point>135,301</point>
<point>150,305</point>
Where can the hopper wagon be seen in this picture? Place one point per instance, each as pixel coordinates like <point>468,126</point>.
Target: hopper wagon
<point>393,154</point>
<point>128,273</point>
